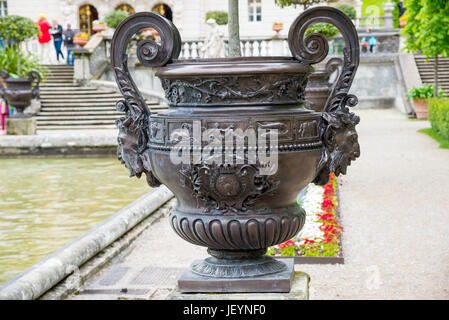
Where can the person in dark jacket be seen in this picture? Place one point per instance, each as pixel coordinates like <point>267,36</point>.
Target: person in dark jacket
<point>69,34</point>
<point>56,32</point>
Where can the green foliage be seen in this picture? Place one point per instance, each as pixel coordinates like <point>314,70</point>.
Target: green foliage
<point>444,143</point>
<point>396,14</point>
<point>114,18</point>
<point>28,62</point>
<point>427,29</point>
<point>326,29</point>
<point>438,114</point>
<point>271,251</point>
<point>373,8</point>
<point>348,10</point>
<point>303,3</point>
<point>321,250</point>
<point>17,28</point>
<point>423,92</point>
<point>221,17</point>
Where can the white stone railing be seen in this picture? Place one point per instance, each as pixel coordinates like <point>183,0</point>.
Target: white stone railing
<point>250,48</point>
<point>369,22</point>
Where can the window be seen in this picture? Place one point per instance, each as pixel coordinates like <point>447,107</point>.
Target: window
<point>254,10</point>
<point>3,8</point>
<point>125,7</point>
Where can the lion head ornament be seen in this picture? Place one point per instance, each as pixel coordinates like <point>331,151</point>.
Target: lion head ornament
<point>132,140</point>
<point>341,141</point>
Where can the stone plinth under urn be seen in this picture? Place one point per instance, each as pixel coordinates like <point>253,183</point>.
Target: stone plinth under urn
<point>237,199</point>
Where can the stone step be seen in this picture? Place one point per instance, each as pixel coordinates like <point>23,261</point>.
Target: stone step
<point>76,118</point>
<point>75,123</point>
<point>87,104</point>
<point>76,109</point>
<point>63,90</point>
<point>58,68</point>
<point>59,82</point>
<point>99,108</point>
<point>79,113</point>
<point>79,104</point>
<point>78,94</point>
<point>59,75</point>
<point>432,69</point>
<point>68,78</point>
<point>81,99</point>
<point>75,127</point>
<point>60,85</point>
<point>441,78</point>
<point>431,61</point>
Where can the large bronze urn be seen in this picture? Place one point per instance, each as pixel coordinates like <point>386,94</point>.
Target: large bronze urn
<point>20,91</point>
<point>236,199</point>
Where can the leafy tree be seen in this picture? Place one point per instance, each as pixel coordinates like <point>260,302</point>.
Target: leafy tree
<point>221,17</point>
<point>28,62</point>
<point>427,30</point>
<point>294,3</point>
<point>348,10</point>
<point>17,29</point>
<point>114,18</point>
<point>329,30</point>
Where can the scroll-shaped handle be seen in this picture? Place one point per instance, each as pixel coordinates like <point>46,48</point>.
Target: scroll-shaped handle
<point>338,124</point>
<point>134,126</point>
<point>35,79</point>
<point>149,52</point>
<point>4,75</point>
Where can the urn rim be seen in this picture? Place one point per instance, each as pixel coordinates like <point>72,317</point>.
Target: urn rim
<point>234,66</point>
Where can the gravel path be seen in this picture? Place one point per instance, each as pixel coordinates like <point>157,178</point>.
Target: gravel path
<point>394,204</point>
<point>394,207</point>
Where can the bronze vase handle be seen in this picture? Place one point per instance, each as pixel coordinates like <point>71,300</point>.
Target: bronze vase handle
<point>4,75</point>
<point>338,123</point>
<point>134,126</point>
<point>149,52</point>
<point>35,79</point>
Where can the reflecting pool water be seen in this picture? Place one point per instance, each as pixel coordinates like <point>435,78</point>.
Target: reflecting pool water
<point>47,202</point>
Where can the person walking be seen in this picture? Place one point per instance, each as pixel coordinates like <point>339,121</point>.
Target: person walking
<point>44,38</point>
<point>69,34</point>
<point>4,111</point>
<point>372,42</point>
<point>56,32</point>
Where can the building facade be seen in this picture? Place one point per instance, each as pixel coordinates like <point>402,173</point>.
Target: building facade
<point>256,16</point>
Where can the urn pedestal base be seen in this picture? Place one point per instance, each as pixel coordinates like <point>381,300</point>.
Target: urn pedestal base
<point>280,281</point>
<point>21,126</point>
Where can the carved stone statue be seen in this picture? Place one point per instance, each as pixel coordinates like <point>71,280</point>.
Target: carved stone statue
<point>214,45</point>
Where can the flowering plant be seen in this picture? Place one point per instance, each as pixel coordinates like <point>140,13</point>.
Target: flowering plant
<point>81,35</point>
<point>328,243</point>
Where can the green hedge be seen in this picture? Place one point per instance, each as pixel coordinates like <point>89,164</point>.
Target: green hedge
<point>439,115</point>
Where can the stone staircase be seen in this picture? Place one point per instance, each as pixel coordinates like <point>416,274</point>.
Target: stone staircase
<point>426,71</point>
<point>65,105</point>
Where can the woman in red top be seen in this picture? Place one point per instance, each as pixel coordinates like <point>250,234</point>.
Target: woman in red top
<point>44,38</point>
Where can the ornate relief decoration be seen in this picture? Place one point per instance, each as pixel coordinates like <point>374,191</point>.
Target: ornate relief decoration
<point>257,89</point>
<point>338,122</point>
<point>227,188</point>
<point>294,132</point>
